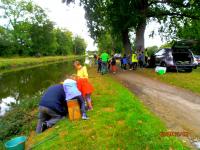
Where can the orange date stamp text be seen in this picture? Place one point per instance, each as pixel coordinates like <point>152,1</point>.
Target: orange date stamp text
<point>173,133</point>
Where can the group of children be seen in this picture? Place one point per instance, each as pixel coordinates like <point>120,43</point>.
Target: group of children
<point>109,65</point>
<point>139,59</point>
<point>78,87</point>
<point>52,106</point>
<point>132,62</point>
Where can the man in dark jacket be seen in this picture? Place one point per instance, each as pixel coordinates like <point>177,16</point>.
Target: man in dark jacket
<point>52,107</point>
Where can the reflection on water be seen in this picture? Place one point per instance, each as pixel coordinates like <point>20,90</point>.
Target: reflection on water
<point>5,104</point>
<point>30,82</point>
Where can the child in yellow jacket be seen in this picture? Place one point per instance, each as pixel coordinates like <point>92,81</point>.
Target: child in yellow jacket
<point>83,84</point>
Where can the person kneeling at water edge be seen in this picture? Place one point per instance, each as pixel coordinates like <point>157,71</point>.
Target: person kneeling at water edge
<point>52,107</point>
<point>72,92</point>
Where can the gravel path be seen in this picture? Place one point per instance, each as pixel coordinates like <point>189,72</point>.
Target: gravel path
<point>179,108</point>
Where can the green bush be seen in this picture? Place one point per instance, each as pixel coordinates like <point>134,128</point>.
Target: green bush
<point>19,119</point>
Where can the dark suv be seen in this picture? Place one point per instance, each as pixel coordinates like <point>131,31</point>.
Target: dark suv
<point>179,57</point>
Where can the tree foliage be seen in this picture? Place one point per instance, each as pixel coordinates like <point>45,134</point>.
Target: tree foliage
<point>119,17</point>
<point>30,32</point>
<point>151,50</point>
<point>79,45</point>
<point>6,42</point>
<point>167,45</point>
<point>190,30</point>
<point>109,44</point>
<point>64,41</point>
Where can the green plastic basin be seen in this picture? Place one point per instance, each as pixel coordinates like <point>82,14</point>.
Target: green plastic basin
<point>17,143</point>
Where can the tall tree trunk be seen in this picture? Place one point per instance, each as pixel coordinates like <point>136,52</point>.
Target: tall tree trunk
<point>140,30</point>
<point>126,41</point>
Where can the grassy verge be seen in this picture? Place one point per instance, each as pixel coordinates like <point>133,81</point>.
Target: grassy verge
<point>21,119</point>
<point>9,63</point>
<point>190,81</point>
<point>119,121</point>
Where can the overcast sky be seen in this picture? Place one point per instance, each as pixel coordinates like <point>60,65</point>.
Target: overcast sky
<point>72,18</point>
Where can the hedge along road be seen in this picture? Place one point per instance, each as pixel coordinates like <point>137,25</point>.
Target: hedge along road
<point>179,108</point>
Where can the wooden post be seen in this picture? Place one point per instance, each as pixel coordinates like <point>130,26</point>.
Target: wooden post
<point>73,110</point>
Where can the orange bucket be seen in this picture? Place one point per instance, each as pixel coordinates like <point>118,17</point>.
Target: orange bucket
<point>73,110</point>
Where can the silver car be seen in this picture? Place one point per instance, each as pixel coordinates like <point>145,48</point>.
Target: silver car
<point>197,57</point>
<point>176,58</point>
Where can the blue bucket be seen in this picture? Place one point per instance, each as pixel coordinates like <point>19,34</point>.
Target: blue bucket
<point>17,143</point>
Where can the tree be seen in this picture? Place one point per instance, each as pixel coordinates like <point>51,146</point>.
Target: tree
<point>21,11</point>
<point>167,45</point>
<point>6,42</point>
<point>151,50</point>
<point>121,16</point>
<point>190,30</point>
<point>22,39</point>
<point>64,41</point>
<point>105,43</point>
<point>79,45</point>
<point>109,44</point>
<point>21,15</point>
<point>43,39</point>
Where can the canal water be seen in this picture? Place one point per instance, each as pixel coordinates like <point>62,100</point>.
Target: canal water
<point>27,83</point>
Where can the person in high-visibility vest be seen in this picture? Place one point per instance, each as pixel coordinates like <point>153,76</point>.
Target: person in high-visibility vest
<point>104,57</point>
<point>134,61</point>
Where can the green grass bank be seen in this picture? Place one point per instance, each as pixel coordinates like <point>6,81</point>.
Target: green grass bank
<point>19,62</point>
<point>190,81</point>
<point>119,121</point>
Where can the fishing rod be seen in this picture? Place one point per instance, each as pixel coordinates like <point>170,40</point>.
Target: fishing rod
<point>43,141</point>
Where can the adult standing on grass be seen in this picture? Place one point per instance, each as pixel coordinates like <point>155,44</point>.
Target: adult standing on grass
<point>104,58</point>
<point>52,107</point>
<point>83,84</point>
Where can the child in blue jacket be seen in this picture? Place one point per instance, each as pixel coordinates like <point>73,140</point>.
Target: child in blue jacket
<point>125,62</point>
<point>72,92</point>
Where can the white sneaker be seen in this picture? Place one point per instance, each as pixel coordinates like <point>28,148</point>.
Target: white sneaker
<point>84,117</point>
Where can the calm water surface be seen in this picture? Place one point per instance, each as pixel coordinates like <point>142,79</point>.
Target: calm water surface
<point>30,82</point>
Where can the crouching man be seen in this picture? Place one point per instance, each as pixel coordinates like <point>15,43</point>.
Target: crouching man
<point>52,107</point>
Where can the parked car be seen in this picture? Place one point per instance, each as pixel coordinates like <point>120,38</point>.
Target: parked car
<point>195,63</point>
<point>197,59</point>
<point>117,56</point>
<point>179,57</point>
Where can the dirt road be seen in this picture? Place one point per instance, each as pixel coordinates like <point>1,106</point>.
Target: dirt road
<point>179,108</point>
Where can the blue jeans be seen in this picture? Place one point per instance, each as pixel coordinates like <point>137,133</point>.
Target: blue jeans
<point>47,115</point>
<point>104,68</point>
<point>81,102</point>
